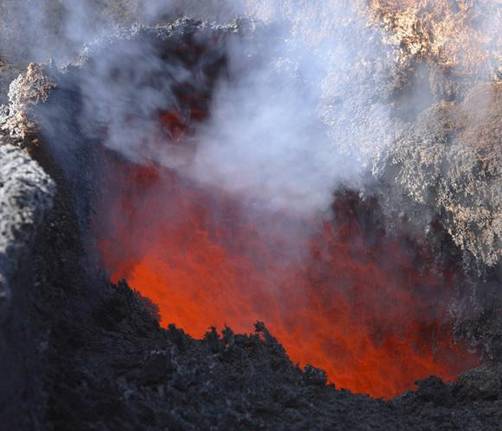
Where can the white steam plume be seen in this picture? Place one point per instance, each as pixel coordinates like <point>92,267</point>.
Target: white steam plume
<point>304,112</point>
<point>303,120</point>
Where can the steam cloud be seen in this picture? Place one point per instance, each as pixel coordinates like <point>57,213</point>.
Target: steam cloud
<point>301,122</point>
<point>299,118</point>
<point>307,109</point>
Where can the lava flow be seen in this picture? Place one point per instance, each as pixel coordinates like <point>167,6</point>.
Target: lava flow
<point>341,296</point>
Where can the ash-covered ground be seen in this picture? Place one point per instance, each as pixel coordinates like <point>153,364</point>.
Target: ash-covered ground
<point>79,353</point>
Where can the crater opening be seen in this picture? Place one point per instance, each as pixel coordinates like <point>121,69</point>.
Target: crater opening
<point>340,293</point>
<point>337,287</point>
<point>285,215</point>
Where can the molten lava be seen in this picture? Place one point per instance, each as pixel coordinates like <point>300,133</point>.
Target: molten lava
<point>368,309</point>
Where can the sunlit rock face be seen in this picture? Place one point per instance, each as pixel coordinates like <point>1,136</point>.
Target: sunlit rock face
<point>459,35</point>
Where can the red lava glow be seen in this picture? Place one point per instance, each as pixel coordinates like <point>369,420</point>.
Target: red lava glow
<point>356,305</point>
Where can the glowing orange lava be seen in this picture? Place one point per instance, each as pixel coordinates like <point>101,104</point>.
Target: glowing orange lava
<point>355,304</point>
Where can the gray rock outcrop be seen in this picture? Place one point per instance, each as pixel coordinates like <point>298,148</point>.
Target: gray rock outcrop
<point>26,195</point>
<point>449,163</point>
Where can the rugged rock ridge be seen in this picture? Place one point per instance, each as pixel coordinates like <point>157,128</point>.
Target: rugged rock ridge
<point>446,170</point>
<point>460,37</point>
<point>28,89</point>
<point>449,161</point>
<point>26,195</point>
<point>26,191</point>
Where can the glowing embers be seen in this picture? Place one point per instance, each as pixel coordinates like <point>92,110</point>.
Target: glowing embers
<point>355,303</point>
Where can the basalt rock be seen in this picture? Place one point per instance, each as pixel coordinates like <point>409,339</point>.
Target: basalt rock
<point>26,195</point>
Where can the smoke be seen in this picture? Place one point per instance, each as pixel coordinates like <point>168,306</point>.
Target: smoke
<point>308,105</point>
<point>36,30</point>
<point>298,121</point>
<point>33,30</point>
<point>304,109</point>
